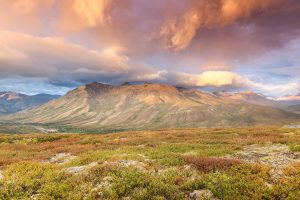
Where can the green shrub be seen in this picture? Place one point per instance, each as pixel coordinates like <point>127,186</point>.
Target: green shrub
<point>141,185</point>
<point>240,182</point>
<point>195,184</point>
<point>26,179</point>
<point>288,187</point>
<point>295,147</point>
<point>52,191</point>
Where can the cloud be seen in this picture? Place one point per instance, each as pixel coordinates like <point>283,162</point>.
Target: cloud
<point>29,7</point>
<point>226,80</point>
<point>147,26</point>
<point>160,76</point>
<point>67,64</point>
<point>220,78</point>
<point>85,13</point>
<point>277,90</point>
<point>180,31</point>
<point>210,78</point>
<point>92,12</point>
<point>197,43</point>
<point>25,15</point>
<point>27,55</point>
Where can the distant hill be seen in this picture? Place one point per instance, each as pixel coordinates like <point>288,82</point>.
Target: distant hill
<point>250,97</point>
<point>148,106</point>
<point>294,108</point>
<point>285,103</point>
<point>12,102</point>
<point>290,100</point>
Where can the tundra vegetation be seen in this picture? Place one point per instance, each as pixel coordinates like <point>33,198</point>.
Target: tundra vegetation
<point>160,164</point>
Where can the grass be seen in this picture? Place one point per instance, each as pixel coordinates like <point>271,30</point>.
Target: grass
<point>163,164</point>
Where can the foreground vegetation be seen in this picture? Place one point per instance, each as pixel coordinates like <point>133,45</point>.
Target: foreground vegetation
<point>162,164</point>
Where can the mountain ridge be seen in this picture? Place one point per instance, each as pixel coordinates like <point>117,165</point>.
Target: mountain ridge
<point>147,106</point>
<point>12,102</point>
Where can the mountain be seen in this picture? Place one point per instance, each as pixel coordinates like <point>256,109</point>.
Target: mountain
<point>290,100</point>
<point>250,97</point>
<point>12,102</point>
<point>148,106</point>
<point>294,108</point>
<point>288,103</point>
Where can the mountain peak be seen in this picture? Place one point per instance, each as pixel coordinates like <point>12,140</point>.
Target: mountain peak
<point>12,102</point>
<point>11,95</point>
<point>95,85</point>
<point>159,87</point>
<point>126,84</point>
<point>157,84</point>
<point>92,88</point>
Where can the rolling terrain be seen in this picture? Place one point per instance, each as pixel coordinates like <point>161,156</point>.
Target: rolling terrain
<point>149,106</point>
<point>168,164</point>
<point>11,102</point>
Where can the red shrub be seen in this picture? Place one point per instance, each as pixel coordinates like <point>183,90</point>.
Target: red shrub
<point>207,164</point>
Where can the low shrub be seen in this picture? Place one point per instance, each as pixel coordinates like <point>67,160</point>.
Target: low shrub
<point>288,187</point>
<point>141,185</point>
<point>207,164</point>
<point>295,147</point>
<point>26,178</point>
<point>240,182</point>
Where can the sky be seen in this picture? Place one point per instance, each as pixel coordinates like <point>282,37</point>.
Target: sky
<point>52,46</point>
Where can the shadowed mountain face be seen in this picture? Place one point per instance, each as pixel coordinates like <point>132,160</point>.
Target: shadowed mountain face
<point>150,106</point>
<point>11,102</point>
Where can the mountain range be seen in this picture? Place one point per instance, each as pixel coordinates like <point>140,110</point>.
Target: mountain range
<point>150,105</point>
<point>12,102</point>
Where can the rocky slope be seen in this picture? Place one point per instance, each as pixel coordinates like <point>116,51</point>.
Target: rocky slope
<point>149,106</point>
